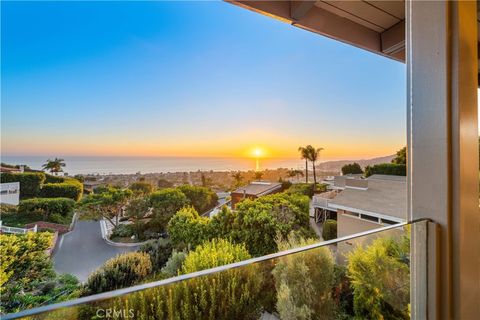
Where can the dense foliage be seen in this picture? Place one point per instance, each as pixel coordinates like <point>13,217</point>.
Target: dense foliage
<point>214,253</point>
<point>27,278</point>
<point>199,298</point>
<point>386,168</point>
<point>54,179</point>
<point>201,198</point>
<point>304,282</point>
<point>57,210</point>
<point>380,276</point>
<point>120,272</point>
<point>30,182</point>
<point>329,231</point>
<point>352,168</point>
<point>71,188</point>
<point>255,223</point>
<point>108,203</point>
<point>159,252</point>
<point>187,228</point>
<point>165,203</point>
<point>141,188</point>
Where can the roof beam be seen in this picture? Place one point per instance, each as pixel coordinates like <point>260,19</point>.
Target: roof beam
<point>298,9</point>
<point>393,39</point>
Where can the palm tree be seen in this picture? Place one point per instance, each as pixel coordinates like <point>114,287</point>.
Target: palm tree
<point>313,155</point>
<point>304,155</point>
<point>54,166</point>
<point>294,173</point>
<point>258,175</point>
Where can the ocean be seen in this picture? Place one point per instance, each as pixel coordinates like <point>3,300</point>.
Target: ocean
<point>132,165</point>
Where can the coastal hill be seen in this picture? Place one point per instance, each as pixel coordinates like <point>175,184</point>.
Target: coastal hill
<point>337,165</point>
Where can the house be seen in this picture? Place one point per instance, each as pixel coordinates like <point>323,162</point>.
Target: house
<point>10,193</point>
<point>254,190</point>
<point>360,205</point>
<point>377,200</point>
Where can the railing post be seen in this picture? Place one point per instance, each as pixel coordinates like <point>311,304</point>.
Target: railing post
<point>442,140</point>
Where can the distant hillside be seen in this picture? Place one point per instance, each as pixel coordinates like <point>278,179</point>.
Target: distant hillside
<point>337,165</point>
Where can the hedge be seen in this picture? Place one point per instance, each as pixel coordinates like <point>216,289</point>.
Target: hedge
<point>68,189</point>
<point>49,207</point>
<point>386,168</point>
<point>30,182</point>
<point>329,229</point>
<point>53,179</point>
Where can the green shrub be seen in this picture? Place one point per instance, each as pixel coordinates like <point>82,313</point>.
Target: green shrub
<point>329,229</point>
<point>305,189</point>
<point>304,281</point>
<point>386,168</point>
<point>70,189</point>
<point>7,209</point>
<point>174,264</point>
<point>123,230</point>
<point>53,179</point>
<point>48,207</point>
<point>380,278</point>
<point>159,252</point>
<point>201,198</point>
<point>187,228</point>
<point>30,182</point>
<point>214,253</point>
<point>231,294</point>
<point>122,271</point>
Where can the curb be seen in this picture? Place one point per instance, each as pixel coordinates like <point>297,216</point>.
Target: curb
<point>103,228</point>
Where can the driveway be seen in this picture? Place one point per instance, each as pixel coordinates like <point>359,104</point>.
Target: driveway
<point>83,250</point>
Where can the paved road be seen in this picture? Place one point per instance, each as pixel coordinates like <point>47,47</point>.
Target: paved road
<point>83,250</point>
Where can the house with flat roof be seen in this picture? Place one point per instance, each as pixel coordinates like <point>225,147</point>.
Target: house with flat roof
<point>377,200</point>
<point>254,190</point>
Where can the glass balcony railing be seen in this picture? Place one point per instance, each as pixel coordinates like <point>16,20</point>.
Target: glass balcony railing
<point>366,275</point>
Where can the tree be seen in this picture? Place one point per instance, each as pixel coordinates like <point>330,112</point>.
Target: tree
<point>258,175</point>
<point>54,166</point>
<point>304,281</point>
<point>329,231</point>
<point>187,229</point>
<point>138,209</point>
<point>401,156</point>
<point>108,204</point>
<point>352,168</point>
<point>294,173</point>
<point>237,176</point>
<point>162,183</point>
<point>304,155</point>
<point>141,188</point>
<point>165,203</point>
<point>201,198</point>
<point>119,272</point>
<point>257,223</point>
<point>313,155</point>
<point>379,276</point>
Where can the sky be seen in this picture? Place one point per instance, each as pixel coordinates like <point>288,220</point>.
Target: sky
<point>188,79</point>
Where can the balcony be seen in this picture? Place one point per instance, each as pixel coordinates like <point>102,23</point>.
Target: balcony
<point>322,279</point>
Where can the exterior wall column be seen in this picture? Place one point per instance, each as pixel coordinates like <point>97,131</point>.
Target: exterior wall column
<point>443,168</point>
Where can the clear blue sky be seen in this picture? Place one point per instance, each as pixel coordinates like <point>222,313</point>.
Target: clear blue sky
<point>208,78</point>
